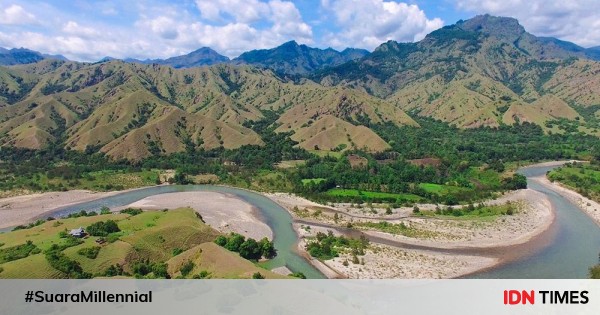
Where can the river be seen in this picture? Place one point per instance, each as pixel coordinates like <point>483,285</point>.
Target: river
<point>573,248</point>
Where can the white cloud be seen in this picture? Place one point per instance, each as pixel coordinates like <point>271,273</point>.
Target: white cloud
<point>162,29</point>
<point>368,23</point>
<point>164,26</point>
<point>73,28</point>
<point>574,20</point>
<point>287,21</point>
<point>16,15</point>
<point>242,11</point>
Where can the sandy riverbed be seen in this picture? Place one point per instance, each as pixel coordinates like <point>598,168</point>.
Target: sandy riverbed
<point>24,209</point>
<point>224,212</point>
<point>388,262</point>
<point>534,216</point>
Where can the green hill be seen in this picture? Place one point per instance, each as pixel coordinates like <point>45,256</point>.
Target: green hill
<point>151,237</point>
<point>134,111</point>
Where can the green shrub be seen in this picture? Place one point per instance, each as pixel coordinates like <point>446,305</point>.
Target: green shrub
<point>89,252</point>
<point>202,275</point>
<point>103,228</point>
<point>187,268</point>
<point>18,252</point>
<point>257,275</point>
<point>298,275</point>
<point>131,211</point>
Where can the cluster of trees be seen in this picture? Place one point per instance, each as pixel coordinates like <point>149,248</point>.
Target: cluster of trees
<point>89,252</point>
<point>131,211</point>
<point>247,248</point>
<point>517,181</point>
<point>147,269</point>
<point>508,143</point>
<point>114,270</point>
<point>32,224</point>
<point>327,246</point>
<point>18,252</point>
<point>59,261</point>
<point>102,228</point>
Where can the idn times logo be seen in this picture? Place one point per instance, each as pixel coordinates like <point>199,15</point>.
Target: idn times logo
<point>516,297</point>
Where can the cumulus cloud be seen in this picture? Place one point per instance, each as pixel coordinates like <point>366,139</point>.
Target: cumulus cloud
<point>73,28</point>
<point>576,20</point>
<point>15,15</point>
<point>368,23</point>
<point>242,11</point>
<point>161,29</point>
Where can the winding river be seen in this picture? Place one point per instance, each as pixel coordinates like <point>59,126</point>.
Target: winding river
<point>566,251</point>
<point>573,248</point>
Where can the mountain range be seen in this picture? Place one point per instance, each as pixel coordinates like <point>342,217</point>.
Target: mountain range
<point>17,56</point>
<point>486,71</point>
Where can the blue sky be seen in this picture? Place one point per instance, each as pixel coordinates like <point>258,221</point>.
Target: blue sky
<point>90,30</point>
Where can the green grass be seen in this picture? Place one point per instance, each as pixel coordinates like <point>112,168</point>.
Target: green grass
<point>306,181</point>
<point>32,267</point>
<point>219,262</point>
<point>584,178</point>
<point>441,190</point>
<point>323,153</point>
<point>110,254</point>
<point>397,229</point>
<point>340,192</point>
<point>485,178</point>
<point>149,235</point>
<point>474,212</point>
<point>432,188</point>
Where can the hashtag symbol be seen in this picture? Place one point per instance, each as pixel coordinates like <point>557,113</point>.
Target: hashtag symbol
<point>29,296</point>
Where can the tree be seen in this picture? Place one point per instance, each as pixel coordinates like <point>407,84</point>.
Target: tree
<point>187,268</point>
<point>257,275</point>
<point>250,249</point>
<point>101,228</point>
<point>234,242</point>
<point>160,271</point>
<point>267,248</point>
<point>595,272</point>
<point>298,275</point>
<point>221,240</point>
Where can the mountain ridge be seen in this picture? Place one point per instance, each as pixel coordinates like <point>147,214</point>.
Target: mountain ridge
<point>485,72</point>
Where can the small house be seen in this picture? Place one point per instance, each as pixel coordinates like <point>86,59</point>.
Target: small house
<point>77,232</point>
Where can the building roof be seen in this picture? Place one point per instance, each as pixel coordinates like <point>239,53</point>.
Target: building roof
<point>77,231</point>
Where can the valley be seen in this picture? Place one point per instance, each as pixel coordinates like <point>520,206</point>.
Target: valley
<point>410,161</point>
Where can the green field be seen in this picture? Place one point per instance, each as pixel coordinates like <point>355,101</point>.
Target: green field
<point>339,192</point>
<point>152,236</point>
<point>306,181</point>
<point>323,153</point>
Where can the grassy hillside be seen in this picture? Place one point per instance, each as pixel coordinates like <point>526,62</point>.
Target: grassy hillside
<point>151,238</point>
<point>133,111</point>
<point>486,71</point>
